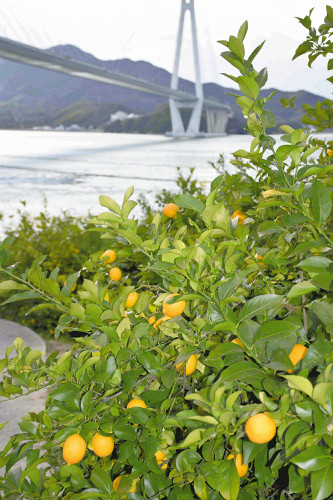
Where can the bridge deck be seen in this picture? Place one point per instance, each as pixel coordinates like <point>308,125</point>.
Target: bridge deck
<point>22,53</point>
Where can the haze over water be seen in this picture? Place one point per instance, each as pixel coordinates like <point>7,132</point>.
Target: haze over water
<point>72,169</point>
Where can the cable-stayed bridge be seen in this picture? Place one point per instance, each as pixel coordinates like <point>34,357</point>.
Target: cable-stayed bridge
<point>216,113</point>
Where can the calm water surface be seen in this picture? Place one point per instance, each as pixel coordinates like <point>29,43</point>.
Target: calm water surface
<point>72,169</point>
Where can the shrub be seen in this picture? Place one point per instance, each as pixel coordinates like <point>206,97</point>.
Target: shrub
<point>191,400</point>
<point>66,242</point>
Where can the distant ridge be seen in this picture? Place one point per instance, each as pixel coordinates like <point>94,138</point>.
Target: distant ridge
<point>31,96</point>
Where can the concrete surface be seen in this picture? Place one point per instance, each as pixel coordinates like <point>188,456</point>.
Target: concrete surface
<point>15,409</point>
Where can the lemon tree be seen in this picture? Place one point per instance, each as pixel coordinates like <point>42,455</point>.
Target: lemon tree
<point>206,372</point>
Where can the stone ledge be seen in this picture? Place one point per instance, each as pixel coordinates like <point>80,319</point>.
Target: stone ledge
<point>15,409</point>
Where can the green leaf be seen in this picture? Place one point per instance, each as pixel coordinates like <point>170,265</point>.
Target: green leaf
<point>8,285</point>
<point>193,437</point>
<point>32,356</point>
<point>248,86</point>
<point>280,361</point>
<point>227,287</point>
<point>22,296</point>
<point>329,12</point>
<point>77,310</point>
<point>258,305</point>
<point>296,481</point>
<point>236,46</point>
<point>299,383</point>
<point>255,52</point>
<point>128,194</point>
<point>124,431</point>
<point>242,31</point>
<point>234,60</point>
<point>188,201</point>
<point>315,264</point>
<point>275,330</point>
<point>128,206</point>
<point>230,484</point>
<point>200,487</point>
<point>268,119</point>
<point>216,183</point>
<point>269,227</point>
<point>301,288</point>
<point>313,458</point>
<point>261,79</point>
<point>212,474</point>
<point>251,450</point>
<point>151,363</point>
<point>320,392</point>
<point>322,483</point>
<point>245,103</point>
<point>101,479</point>
<point>316,353</point>
<point>242,370</point>
<point>324,311</point>
<point>283,151</point>
<point>323,280</point>
<point>65,392</point>
<point>109,203</point>
<point>321,201</point>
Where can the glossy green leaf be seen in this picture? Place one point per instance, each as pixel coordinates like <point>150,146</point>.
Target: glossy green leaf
<point>313,458</point>
<point>302,288</point>
<point>101,479</point>
<point>249,86</point>
<point>322,483</point>
<point>109,203</point>
<point>230,484</point>
<point>299,383</point>
<point>188,201</point>
<point>275,330</point>
<point>321,201</point>
<point>258,305</point>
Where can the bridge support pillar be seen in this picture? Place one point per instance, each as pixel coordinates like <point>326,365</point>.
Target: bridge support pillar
<point>216,121</point>
<point>193,128</point>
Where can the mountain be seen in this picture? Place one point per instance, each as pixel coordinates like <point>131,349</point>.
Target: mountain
<point>30,96</point>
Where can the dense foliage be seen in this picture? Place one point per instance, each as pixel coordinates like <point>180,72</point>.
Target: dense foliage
<point>252,320</point>
<point>66,242</point>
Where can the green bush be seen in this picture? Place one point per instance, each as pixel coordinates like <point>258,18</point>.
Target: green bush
<point>253,289</point>
<point>66,242</point>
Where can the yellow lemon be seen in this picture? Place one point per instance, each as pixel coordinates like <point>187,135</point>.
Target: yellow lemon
<point>115,274</point>
<point>151,320</point>
<point>241,216</point>
<point>109,256</point>
<point>74,449</point>
<point>241,468</point>
<point>297,354</point>
<point>238,342</point>
<point>173,309</point>
<point>260,428</point>
<point>136,403</point>
<point>160,321</point>
<point>132,299</point>
<point>161,458</point>
<point>102,446</point>
<point>190,366</point>
<point>170,210</point>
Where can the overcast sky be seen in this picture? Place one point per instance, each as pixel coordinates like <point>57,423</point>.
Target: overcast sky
<point>146,30</point>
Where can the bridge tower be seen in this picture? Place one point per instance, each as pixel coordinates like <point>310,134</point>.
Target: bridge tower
<point>193,129</point>
<point>216,117</point>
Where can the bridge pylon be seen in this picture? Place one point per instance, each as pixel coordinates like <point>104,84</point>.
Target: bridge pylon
<point>193,128</point>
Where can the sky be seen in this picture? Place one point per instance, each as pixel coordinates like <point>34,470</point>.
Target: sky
<point>146,30</point>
